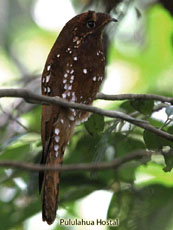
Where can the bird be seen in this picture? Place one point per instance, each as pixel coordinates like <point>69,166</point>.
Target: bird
<point>74,71</point>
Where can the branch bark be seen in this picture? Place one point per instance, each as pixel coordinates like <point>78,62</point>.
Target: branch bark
<point>134,96</point>
<point>77,167</point>
<point>30,97</point>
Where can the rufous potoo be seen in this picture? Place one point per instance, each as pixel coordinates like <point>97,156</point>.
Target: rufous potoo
<point>74,71</point>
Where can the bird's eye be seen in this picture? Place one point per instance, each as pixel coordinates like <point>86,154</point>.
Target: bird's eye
<point>91,24</point>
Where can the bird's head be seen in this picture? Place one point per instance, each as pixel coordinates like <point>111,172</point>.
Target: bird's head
<point>89,23</point>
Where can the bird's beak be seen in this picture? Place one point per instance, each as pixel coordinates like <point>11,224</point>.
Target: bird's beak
<point>110,19</point>
<point>107,20</point>
<point>113,19</point>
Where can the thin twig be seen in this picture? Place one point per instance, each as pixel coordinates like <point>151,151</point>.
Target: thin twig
<point>38,99</point>
<point>120,97</point>
<point>10,116</point>
<point>77,167</point>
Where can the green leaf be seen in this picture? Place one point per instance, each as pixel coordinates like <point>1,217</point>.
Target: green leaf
<point>148,208</point>
<point>75,186</point>
<point>16,152</point>
<point>117,209</point>
<point>125,145</point>
<point>127,107</point>
<point>151,140</point>
<point>155,142</point>
<point>143,106</point>
<point>16,214</point>
<point>95,124</point>
<point>83,150</point>
<point>154,173</point>
<point>33,118</point>
<point>168,156</point>
<point>155,122</point>
<point>170,130</point>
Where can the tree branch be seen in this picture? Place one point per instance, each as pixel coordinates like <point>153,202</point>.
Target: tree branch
<point>134,96</point>
<point>30,97</point>
<point>77,167</point>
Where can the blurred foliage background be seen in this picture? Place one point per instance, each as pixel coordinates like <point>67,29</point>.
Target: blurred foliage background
<point>139,54</point>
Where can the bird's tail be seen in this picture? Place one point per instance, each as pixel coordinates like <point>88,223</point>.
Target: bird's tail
<point>61,135</point>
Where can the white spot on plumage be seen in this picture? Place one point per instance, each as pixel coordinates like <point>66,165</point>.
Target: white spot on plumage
<point>69,50</point>
<point>48,67</point>
<point>66,86</point>
<point>85,71</point>
<point>64,95</point>
<point>47,78</point>
<point>58,55</point>
<point>48,89</point>
<point>43,79</point>
<point>73,111</point>
<point>56,153</point>
<point>100,78</point>
<point>68,71</point>
<point>81,121</point>
<point>45,89</point>
<point>78,122</point>
<point>62,121</point>
<point>72,77</point>
<point>71,118</point>
<point>72,71</point>
<point>57,131</point>
<point>78,42</point>
<point>64,81</point>
<point>94,78</point>
<point>75,58</point>
<point>75,39</point>
<point>57,138</point>
<point>68,94</point>
<point>73,97</point>
<point>70,87</point>
<point>65,75</point>
<point>56,147</point>
<point>84,119</point>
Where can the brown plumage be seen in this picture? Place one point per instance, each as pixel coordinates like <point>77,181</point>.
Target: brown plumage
<point>74,71</point>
